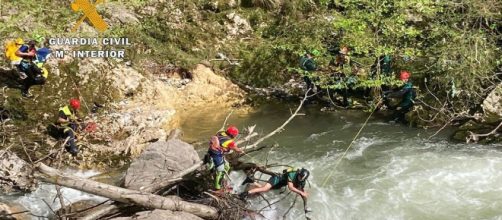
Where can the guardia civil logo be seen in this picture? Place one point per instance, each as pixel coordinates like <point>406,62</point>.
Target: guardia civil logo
<point>89,11</point>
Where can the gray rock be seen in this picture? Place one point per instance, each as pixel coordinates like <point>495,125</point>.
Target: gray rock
<point>160,214</point>
<point>160,160</point>
<point>492,105</point>
<point>15,173</point>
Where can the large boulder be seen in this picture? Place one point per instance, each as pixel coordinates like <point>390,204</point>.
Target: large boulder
<point>160,160</point>
<point>160,214</point>
<point>492,105</point>
<point>15,173</point>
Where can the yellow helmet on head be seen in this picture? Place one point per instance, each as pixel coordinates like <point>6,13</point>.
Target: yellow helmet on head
<point>19,41</point>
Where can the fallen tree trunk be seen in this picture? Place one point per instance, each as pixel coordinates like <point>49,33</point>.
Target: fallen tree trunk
<point>173,203</point>
<point>161,184</point>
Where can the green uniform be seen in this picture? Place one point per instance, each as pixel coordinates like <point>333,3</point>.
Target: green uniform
<point>278,182</point>
<point>407,101</point>
<point>308,64</point>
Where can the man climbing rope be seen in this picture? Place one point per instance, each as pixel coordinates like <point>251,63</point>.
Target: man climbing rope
<point>308,65</point>
<point>27,69</point>
<point>407,95</point>
<point>294,179</point>
<point>67,121</point>
<point>220,144</point>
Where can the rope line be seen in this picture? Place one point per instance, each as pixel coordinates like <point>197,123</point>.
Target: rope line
<point>347,150</point>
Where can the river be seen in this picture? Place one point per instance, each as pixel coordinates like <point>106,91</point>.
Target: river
<point>391,171</point>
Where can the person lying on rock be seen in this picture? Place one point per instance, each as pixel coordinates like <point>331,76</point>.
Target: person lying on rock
<point>220,144</point>
<point>294,179</point>
<point>68,124</point>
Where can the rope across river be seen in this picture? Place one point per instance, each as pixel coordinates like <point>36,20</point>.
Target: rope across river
<point>348,148</point>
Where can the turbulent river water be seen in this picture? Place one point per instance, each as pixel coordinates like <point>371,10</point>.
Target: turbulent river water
<point>391,171</point>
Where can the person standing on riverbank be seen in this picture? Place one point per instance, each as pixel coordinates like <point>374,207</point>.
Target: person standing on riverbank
<point>220,144</point>
<point>308,65</point>
<point>407,95</point>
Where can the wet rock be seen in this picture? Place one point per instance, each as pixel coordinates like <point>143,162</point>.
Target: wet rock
<point>492,105</point>
<point>161,214</point>
<point>160,160</point>
<point>15,173</point>
<point>485,124</point>
<point>464,131</point>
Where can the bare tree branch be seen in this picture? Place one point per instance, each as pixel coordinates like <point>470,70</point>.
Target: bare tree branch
<point>475,137</point>
<point>280,128</point>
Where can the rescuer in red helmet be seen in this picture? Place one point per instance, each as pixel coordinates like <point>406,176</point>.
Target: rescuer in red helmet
<point>407,95</point>
<point>219,145</point>
<point>68,123</point>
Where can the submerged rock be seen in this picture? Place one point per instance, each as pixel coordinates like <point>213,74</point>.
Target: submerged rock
<point>15,173</point>
<point>161,214</point>
<point>160,160</point>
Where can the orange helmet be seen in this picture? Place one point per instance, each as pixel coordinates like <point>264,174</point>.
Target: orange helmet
<point>232,131</point>
<point>404,75</point>
<point>75,104</point>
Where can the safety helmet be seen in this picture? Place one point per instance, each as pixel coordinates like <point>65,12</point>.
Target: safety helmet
<point>19,41</point>
<point>38,38</point>
<point>232,131</point>
<point>315,52</point>
<point>404,75</point>
<point>75,104</point>
<point>303,174</point>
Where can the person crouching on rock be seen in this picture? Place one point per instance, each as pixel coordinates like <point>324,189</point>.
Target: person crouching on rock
<point>220,144</point>
<point>27,69</point>
<point>294,179</point>
<point>68,124</point>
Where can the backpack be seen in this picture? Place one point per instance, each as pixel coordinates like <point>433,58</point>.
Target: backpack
<point>10,50</point>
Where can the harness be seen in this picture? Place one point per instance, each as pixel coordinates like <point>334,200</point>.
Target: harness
<point>67,112</point>
<point>218,146</point>
<point>224,141</point>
